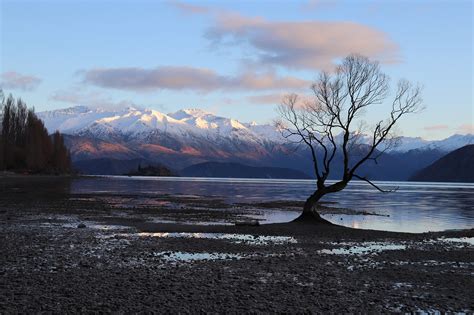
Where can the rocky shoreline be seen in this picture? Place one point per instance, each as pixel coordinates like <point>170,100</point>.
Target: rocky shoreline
<point>121,261</point>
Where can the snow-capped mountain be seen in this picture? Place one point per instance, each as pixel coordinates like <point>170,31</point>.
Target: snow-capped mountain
<point>445,145</point>
<point>135,122</point>
<point>191,136</point>
<point>80,120</point>
<point>183,137</point>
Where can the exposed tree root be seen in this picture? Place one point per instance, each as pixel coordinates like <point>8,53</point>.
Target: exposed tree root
<point>311,217</point>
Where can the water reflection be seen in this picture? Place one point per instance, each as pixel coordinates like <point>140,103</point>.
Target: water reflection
<point>415,207</point>
<point>462,240</point>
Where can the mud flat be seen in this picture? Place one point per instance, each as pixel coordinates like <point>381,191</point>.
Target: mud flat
<point>133,253</point>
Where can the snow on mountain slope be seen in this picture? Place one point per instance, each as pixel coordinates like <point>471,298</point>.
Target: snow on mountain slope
<point>207,123</point>
<point>449,144</point>
<point>70,120</point>
<point>267,132</point>
<point>131,121</point>
<point>454,142</point>
<point>136,121</point>
<point>406,144</point>
<point>191,126</point>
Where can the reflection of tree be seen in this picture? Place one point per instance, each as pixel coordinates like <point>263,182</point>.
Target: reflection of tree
<point>34,190</point>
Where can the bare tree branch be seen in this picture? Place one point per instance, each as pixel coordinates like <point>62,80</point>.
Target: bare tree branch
<point>331,123</point>
<point>375,186</point>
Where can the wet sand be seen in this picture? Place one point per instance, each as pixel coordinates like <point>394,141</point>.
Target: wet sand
<point>126,259</point>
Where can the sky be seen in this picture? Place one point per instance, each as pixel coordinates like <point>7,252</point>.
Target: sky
<point>235,58</point>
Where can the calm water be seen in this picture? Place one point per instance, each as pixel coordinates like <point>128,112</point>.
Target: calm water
<point>414,207</point>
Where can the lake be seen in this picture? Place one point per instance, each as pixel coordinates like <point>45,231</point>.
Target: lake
<point>414,207</point>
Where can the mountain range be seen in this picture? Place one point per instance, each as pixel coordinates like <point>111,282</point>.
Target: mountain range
<point>193,136</point>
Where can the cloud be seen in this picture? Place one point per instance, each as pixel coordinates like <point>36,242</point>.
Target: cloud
<point>302,44</point>
<point>15,80</point>
<point>189,8</point>
<point>466,129</point>
<point>92,99</point>
<point>187,78</point>
<point>228,101</point>
<point>270,99</point>
<point>436,127</point>
<point>278,99</point>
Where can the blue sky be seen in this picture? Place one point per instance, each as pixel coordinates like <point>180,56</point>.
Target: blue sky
<point>219,56</point>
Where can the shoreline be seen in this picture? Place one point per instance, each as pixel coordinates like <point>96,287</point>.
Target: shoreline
<point>64,253</point>
<point>287,229</point>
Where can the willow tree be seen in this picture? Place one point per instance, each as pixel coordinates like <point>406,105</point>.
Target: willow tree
<point>331,123</point>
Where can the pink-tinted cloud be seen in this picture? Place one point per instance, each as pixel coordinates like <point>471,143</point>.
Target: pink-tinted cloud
<point>466,129</point>
<point>187,78</point>
<point>302,44</point>
<point>266,99</point>
<point>189,8</point>
<point>279,98</point>
<point>436,127</point>
<point>17,81</point>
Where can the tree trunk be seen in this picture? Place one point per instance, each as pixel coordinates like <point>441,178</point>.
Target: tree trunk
<point>310,213</point>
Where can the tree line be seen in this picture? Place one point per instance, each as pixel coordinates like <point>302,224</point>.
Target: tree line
<point>25,144</point>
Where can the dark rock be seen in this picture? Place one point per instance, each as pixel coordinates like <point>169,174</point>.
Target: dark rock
<point>247,223</point>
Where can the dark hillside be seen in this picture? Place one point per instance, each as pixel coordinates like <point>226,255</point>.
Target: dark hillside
<point>457,166</point>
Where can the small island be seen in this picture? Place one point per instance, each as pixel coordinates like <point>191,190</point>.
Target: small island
<point>152,170</point>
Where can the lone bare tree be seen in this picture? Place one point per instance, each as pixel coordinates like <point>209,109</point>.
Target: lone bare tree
<point>332,123</point>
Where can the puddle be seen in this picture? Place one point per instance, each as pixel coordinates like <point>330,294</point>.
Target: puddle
<point>465,240</point>
<point>158,220</point>
<point>273,216</point>
<point>402,285</point>
<point>101,227</point>
<point>188,257</point>
<point>88,225</point>
<point>368,248</point>
<point>234,238</point>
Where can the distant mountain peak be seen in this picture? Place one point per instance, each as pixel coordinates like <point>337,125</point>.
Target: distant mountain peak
<point>193,125</point>
<point>80,109</point>
<point>132,108</point>
<point>189,113</point>
<point>196,111</point>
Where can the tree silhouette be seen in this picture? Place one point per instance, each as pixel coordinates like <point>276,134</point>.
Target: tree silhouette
<point>61,159</point>
<point>332,123</point>
<point>25,144</point>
